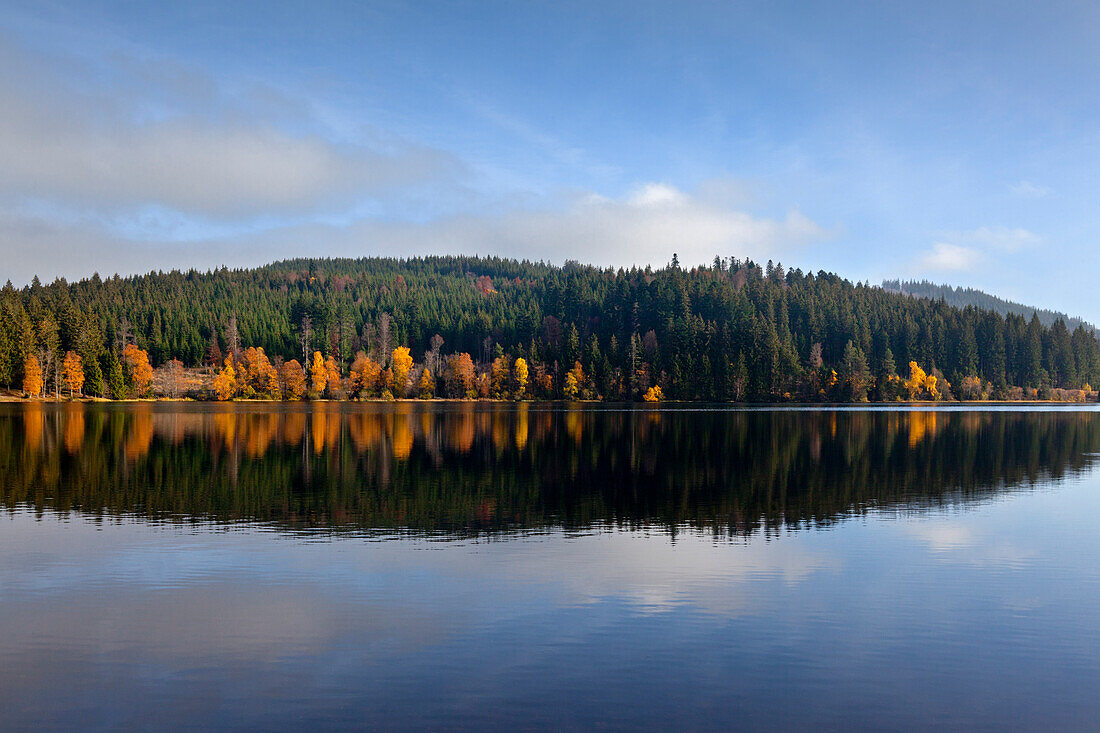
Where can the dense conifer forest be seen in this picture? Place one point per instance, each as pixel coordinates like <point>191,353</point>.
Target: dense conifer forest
<point>490,327</point>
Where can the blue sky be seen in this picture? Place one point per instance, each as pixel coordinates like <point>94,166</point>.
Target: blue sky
<point>958,142</point>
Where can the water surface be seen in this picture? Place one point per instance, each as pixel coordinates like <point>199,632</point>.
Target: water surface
<point>471,567</point>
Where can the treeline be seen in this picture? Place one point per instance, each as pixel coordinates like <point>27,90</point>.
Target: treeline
<point>469,327</point>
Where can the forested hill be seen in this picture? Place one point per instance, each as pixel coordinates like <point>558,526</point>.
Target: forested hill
<point>732,330</point>
<point>962,297</point>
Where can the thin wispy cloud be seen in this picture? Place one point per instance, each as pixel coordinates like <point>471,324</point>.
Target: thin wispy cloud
<point>1027,189</point>
<point>114,150</point>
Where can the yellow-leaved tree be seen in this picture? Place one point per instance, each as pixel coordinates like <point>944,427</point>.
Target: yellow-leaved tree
<point>569,389</point>
<point>32,376</point>
<point>318,374</point>
<point>426,387</point>
<point>332,373</point>
<point>402,364</point>
<point>519,370</point>
<point>653,394</point>
<point>225,382</point>
<point>364,377</point>
<point>499,376</point>
<point>917,381</point>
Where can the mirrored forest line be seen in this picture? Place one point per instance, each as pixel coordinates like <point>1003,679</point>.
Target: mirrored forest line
<point>466,469</point>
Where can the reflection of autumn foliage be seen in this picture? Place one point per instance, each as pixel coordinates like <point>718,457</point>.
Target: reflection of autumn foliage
<point>402,437</point>
<point>294,428</point>
<point>461,431</point>
<point>225,427</point>
<point>324,427</point>
<point>521,428</point>
<point>920,425</point>
<point>365,431</point>
<point>259,432</point>
<point>508,468</point>
<point>74,430</point>
<point>139,435</point>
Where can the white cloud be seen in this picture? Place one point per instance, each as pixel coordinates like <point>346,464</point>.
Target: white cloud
<point>1002,239</point>
<point>644,227</point>
<point>945,256</point>
<point>1027,189</point>
<point>965,250</point>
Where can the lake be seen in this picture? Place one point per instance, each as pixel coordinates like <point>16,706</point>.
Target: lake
<point>462,566</point>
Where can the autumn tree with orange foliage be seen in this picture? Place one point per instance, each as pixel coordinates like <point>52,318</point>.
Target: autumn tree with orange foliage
<point>295,379</point>
<point>499,376</point>
<point>258,373</point>
<point>364,376</point>
<point>141,371</point>
<point>32,376</point>
<point>332,375</point>
<point>73,368</point>
<point>460,375</point>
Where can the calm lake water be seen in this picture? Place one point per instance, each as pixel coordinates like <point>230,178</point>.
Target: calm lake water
<point>472,567</point>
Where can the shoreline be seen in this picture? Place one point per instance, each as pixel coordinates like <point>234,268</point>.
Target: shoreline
<point>4,398</point>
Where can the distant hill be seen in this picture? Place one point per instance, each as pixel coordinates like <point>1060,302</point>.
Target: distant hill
<point>962,297</point>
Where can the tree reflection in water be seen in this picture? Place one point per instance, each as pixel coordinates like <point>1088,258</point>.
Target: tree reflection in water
<point>462,469</point>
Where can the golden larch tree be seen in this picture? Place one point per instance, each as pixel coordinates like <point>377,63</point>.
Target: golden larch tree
<point>332,373</point>
<point>225,383</point>
<point>499,372</point>
<point>426,387</point>
<point>73,369</point>
<point>318,375</point>
<point>32,376</point>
